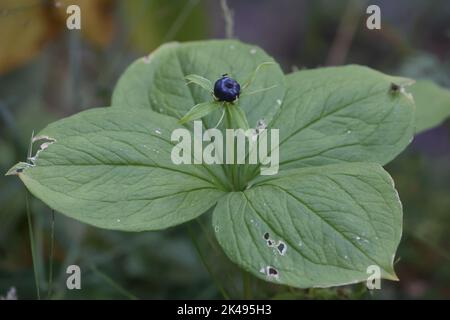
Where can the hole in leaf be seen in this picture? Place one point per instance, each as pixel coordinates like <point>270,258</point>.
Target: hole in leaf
<point>395,88</point>
<point>281,247</point>
<point>272,272</point>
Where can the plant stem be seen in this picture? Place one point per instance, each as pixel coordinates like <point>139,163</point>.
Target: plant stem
<point>231,167</point>
<point>246,287</point>
<point>217,250</point>
<point>32,245</point>
<point>229,21</point>
<point>52,245</point>
<point>234,174</point>
<point>345,33</point>
<point>180,20</point>
<point>113,283</point>
<point>202,258</point>
<point>208,237</point>
<point>30,227</point>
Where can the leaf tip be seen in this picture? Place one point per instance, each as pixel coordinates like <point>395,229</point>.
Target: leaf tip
<point>392,276</point>
<point>17,169</point>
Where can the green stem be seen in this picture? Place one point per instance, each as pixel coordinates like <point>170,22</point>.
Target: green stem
<point>246,286</point>
<point>208,237</point>
<point>228,16</point>
<point>217,250</point>
<point>52,246</point>
<point>32,246</point>
<point>234,168</point>
<point>30,227</point>
<point>207,267</point>
<point>231,167</point>
<point>113,283</point>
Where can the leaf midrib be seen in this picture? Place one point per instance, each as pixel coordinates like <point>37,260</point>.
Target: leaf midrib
<point>125,165</point>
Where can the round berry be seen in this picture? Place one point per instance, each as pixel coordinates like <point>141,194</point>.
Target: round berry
<point>226,89</point>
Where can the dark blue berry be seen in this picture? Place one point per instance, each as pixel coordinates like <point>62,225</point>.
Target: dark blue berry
<point>226,89</point>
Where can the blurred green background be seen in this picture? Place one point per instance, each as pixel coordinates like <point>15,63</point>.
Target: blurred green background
<point>48,72</point>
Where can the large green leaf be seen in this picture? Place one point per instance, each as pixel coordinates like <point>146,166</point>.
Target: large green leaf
<point>112,168</point>
<point>317,227</point>
<point>432,104</point>
<point>341,114</point>
<point>158,81</point>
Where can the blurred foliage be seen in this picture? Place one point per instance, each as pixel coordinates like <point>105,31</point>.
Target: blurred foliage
<point>18,17</point>
<point>154,22</point>
<point>47,72</point>
<point>26,26</point>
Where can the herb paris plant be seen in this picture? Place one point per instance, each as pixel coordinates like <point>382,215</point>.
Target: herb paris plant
<point>226,92</point>
<point>331,212</point>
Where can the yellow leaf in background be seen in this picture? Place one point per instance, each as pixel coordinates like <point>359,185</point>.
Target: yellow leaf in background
<point>25,28</point>
<point>97,23</point>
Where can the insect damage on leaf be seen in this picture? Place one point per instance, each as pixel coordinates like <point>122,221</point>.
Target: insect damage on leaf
<point>270,272</point>
<point>21,166</point>
<point>46,142</point>
<point>396,89</point>
<point>281,247</point>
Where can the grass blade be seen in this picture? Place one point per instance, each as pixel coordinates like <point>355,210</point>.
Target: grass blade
<point>51,255</point>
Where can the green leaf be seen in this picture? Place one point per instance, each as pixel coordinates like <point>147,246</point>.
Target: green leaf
<point>432,104</point>
<point>326,225</point>
<point>200,81</point>
<point>112,168</point>
<point>342,114</point>
<point>158,82</point>
<point>133,87</point>
<point>199,111</point>
<point>237,117</point>
<point>252,76</point>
